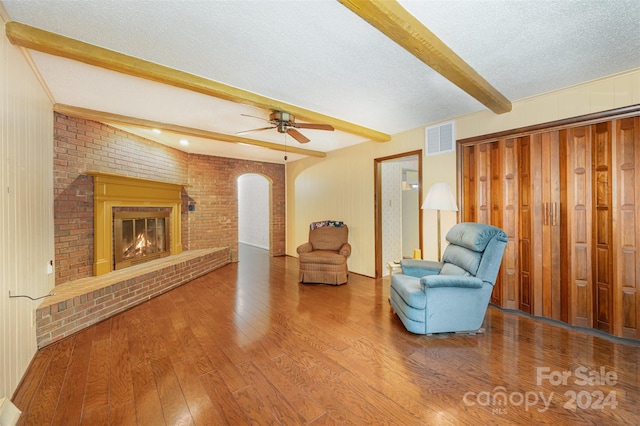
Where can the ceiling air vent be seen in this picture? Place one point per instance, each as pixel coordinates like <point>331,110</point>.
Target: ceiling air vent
<point>440,139</point>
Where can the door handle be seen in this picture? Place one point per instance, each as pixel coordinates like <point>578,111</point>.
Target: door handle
<point>545,213</point>
<point>554,215</point>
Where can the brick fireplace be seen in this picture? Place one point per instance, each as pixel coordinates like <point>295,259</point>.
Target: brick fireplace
<point>113,191</point>
<point>127,207</point>
<point>84,206</point>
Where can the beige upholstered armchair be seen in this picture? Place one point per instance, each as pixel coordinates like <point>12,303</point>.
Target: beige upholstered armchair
<point>323,259</point>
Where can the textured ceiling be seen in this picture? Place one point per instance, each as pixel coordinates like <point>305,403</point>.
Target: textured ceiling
<point>321,56</point>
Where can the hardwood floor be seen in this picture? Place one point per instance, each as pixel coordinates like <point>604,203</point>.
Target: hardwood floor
<point>248,344</point>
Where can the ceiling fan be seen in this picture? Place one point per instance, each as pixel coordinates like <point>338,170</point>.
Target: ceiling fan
<point>286,123</point>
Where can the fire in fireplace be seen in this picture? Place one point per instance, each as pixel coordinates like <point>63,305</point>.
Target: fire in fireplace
<point>140,236</point>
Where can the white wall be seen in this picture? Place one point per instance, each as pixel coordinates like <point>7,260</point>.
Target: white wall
<point>410,218</point>
<point>341,185</point>
<point>26,209</point>
<point>253,210</point>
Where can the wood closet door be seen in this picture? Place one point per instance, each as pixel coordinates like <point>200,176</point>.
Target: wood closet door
<point>483,183</point>
<point>602,238</point>
<point>468,209</point>
<point>495,204</point>
<point>503,200</point>
<point>627,250</point>
<point>482,193</point>
<point>481,173</point>
<point>506,189</point>
<point>579,225</point>
<point>545,225</point>
<point>569,200</point>
<point>490,188</point>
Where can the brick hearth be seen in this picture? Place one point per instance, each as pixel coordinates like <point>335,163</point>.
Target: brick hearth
<point>81,303</point>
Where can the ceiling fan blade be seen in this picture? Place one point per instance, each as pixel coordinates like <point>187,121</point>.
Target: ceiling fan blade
<point>244,132</point>
<point>254,116</point>
<point>297,135</point>
<point>314,126</point>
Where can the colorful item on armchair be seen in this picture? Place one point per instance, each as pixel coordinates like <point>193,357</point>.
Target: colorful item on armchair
<point>316,225</point>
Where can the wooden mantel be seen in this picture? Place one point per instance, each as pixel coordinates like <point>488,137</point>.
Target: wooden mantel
<point>111,190</point>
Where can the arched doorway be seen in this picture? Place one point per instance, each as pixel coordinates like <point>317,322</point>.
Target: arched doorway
<point>254,210</point>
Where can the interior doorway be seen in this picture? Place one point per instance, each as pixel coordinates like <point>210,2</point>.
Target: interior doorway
<point>398,195</point>
<point>254,210</point>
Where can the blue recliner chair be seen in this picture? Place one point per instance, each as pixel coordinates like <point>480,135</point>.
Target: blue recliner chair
<point>452,295</point>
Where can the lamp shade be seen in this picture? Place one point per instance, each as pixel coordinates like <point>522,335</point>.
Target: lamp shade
<point>440,197</point>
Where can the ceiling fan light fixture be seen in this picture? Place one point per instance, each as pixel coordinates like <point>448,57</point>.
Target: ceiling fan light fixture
<point>285,122</point>
<point>282,117</point>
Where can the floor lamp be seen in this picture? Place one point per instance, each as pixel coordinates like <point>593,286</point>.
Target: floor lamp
<point>440,198</point>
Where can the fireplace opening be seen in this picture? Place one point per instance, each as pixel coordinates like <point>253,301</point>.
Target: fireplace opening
<point>140,236</point>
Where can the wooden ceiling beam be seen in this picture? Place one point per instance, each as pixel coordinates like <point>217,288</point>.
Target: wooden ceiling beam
<point>54,44</point>
<point>107,118</point>
<point>390,18</point>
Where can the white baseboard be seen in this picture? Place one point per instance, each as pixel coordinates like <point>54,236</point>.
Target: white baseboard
<point>253,245</point>
<point>9,413</point>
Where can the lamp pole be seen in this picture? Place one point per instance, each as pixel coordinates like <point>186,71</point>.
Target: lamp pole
<point>439,244</point>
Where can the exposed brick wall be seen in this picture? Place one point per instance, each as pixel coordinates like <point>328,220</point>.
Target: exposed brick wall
<point>85,145</point>
<point>215,219</point>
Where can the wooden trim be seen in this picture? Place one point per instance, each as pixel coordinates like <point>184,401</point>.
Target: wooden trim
<point>405,29</point>
<point>54,44</point>
<point>581,120</point>
<point>377,220</point>
<point>107,118</point>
